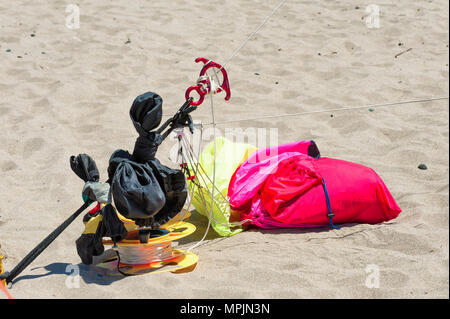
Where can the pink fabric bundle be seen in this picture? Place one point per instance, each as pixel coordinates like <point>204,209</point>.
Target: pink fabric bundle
<point>284,187</point>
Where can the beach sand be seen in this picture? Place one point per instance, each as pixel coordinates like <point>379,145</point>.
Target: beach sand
<point>68,91</point>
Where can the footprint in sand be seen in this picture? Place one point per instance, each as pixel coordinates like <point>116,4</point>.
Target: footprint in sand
<point>240,101</point>
<point>41,103</point>
<point>18,73</point>
<point>4,110</point>
<point>289,94</point>
<point>350,46</point>
<point>112,88</point>
<point>8,166</point>
<point>88,128</point>
<point>291,266</point>
<point>32,145</point>
<point>393,278</point>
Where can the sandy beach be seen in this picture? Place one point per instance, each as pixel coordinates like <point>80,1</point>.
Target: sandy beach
<point>66,91</point>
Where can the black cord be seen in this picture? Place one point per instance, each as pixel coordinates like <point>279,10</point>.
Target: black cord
<point>118,264</point>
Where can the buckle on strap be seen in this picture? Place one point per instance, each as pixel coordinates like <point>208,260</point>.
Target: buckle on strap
<point>330,214</point>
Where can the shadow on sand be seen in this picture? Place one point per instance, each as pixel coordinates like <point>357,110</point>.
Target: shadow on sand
<point>90,274</point>
<point>201,223</point>
<point>100,276</point>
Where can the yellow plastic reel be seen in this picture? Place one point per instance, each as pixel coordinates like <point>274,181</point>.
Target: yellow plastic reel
<point>177,230</point>
<point>180,262</point>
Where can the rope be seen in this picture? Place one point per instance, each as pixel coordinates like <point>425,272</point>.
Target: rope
<point>144,254</point>
<point>333,110</point>
<point>204,173</point>
<point>202,176</point>
<point>213,180</point>
<point>252,34</point>
<point>195,163</point>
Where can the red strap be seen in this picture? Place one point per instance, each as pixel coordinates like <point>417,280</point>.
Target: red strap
<point>94,210</point>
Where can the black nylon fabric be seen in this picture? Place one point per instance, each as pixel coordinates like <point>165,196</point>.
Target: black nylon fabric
<point>173,184</point>
<point>90,244</point>
<point>112,226</point>
<point>146,112</point>
<point>313,150</point>
<point>84,166</point>
<point>136,192</point>
<point>146,146</point>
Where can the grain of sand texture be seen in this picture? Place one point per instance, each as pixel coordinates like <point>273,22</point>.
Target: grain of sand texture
<point>68,91</point>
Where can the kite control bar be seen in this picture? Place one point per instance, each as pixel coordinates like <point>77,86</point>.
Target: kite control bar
<point>206,84</point>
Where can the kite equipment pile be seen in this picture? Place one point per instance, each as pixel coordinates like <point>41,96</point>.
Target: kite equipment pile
<point>140,209</point>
